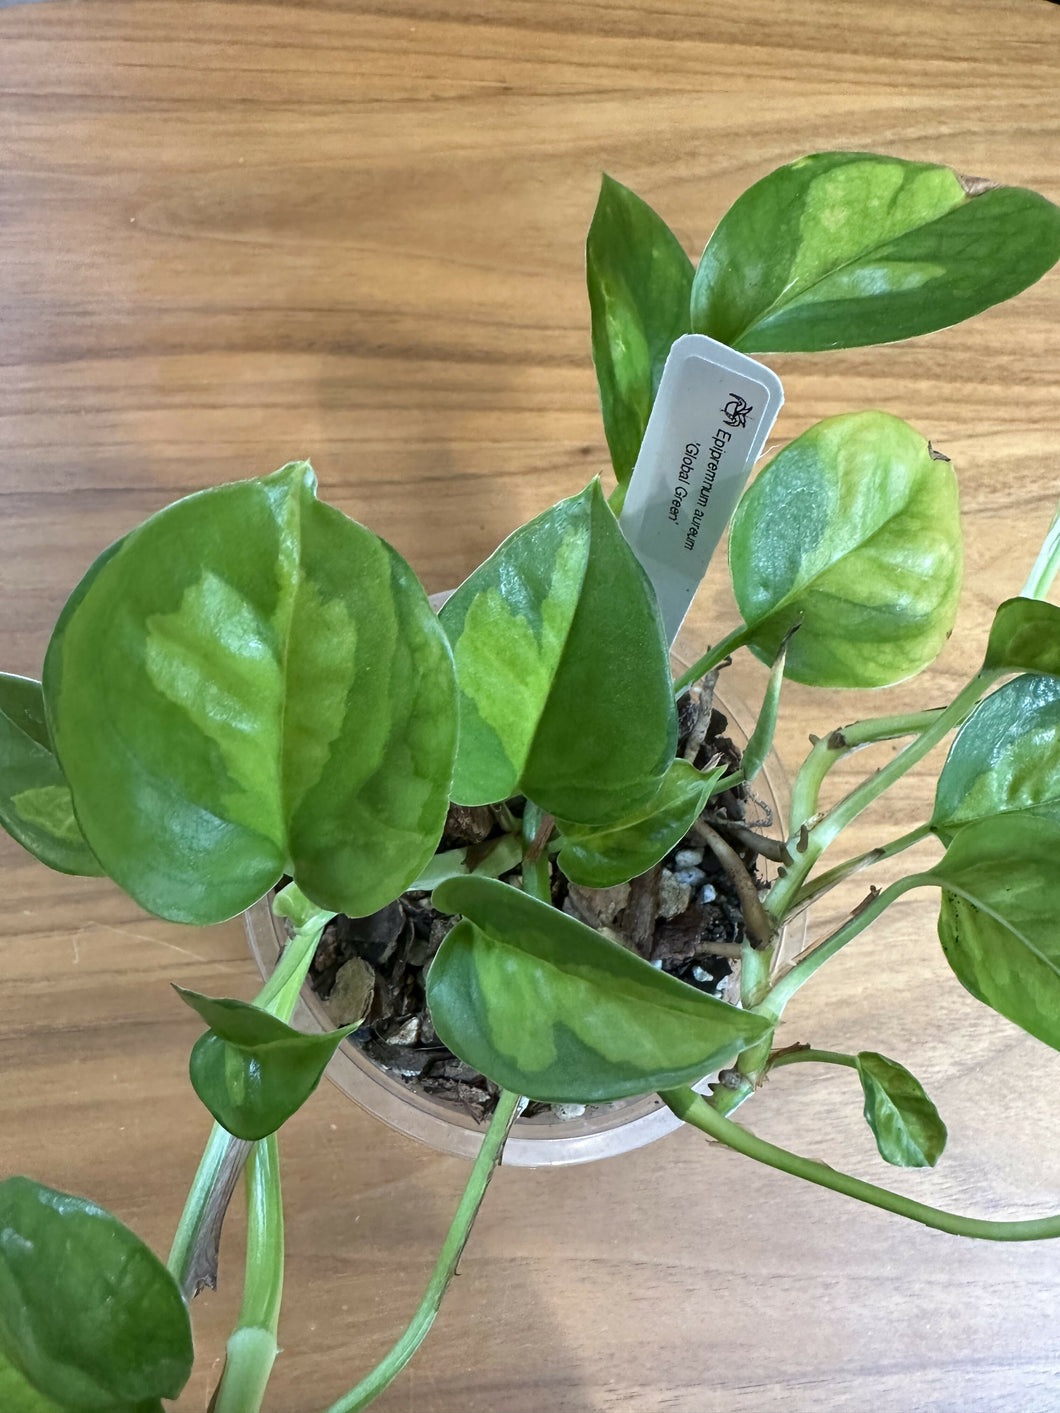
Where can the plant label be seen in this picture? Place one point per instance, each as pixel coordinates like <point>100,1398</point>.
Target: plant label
<point>712,414</point>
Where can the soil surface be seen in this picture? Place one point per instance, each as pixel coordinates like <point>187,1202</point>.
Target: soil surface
<point>683,916</point>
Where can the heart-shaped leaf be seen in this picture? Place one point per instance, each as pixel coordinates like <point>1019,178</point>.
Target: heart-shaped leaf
<point>841,249</point>
<point>1005,758</point>
<point>639,282</point>
<point>545,1006</point>
<point>252,684</point>
<point>563,669</point>
<point>251,1070</point>
<point>906,1124</point>
<point>601,858</point>
<point>852,532</point>
<point>1025,637</point>
<point>999,923</point>
<point>88,1314</point>
<point>35,804</point>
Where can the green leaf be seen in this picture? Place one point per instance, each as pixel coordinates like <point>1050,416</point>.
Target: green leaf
<point>489,860</point>
<point>852,532</point>
<point>998,923</point>
<point>563,669</point>
<point>251,1070</point>
<point>842,249</point>
<point>600,858</point>
<point>639,282</point>
<point>17,1394</point>
<point>1005,758</point>
<point>545,1006</point>
<point>252,684</point>
<point>35,804</point>
<point>89,1315</point>
<point>1025,637</point>
<point>906,1124</point>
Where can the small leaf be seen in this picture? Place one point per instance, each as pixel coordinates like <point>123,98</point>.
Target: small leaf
<point>489,860</point>
<point>543,1005</point>
<point>842,249</point>
<point>1025,637</point>
<point>906,1124</point>
<point>851,532</point>
<point>639,282</point>
<point>998,922</point>
<point>35,804</point>
<point>563,670</point>
<point>251,1070</point>
<point>601,858</point>
<point>1005,758</point>
<point>88,1315</point>
<point>251,684</point>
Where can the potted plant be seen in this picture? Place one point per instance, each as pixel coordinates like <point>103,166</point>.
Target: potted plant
<point>250,690</point>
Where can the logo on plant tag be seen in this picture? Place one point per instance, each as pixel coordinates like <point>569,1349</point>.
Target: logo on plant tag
<point>736,411</point>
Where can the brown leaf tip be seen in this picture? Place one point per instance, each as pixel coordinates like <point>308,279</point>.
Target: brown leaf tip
<point>975,186</point>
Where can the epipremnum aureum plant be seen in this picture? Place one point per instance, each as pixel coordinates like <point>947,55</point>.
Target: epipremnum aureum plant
<point>250,688</point>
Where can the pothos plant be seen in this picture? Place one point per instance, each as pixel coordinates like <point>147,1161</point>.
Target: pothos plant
<point>250,688</point>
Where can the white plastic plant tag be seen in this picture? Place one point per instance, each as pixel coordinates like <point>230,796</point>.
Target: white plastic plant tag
<point>712,414</point>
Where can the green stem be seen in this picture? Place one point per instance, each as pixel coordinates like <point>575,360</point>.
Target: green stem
<point>736,639</point>
<point>821,1057</point>
<point>489,1155</point>
<point>824,881</point>
<point>773,1004</point>
<point>1046,566</point>
<point>831,749</point>
<point>537,874</point>
<point>784,892</point>
<point>252,1347</point>
<point>694,1110</point>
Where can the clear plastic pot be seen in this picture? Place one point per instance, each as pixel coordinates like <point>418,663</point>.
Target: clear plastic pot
<point>545,1140</point>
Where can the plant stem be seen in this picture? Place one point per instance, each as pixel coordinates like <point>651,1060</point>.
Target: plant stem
<point>831,749</point>
<point>1040,579</point>
<point>775,1001</point>
<point>809,1054</point>
<point>537,872</point>
<point>252,1345</point>
<point>736,639</point>
<point>784,892</point>
<point>508,1107</point>
<point>694,1110</point>
<point>824,881</point>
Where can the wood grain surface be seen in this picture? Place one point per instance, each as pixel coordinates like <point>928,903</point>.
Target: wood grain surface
<point>233,234</point>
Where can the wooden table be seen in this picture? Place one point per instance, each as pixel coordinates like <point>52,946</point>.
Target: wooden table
<point>232,234</point>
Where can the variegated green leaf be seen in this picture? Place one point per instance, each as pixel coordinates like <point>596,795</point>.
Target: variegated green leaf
<point>545,1006</point>
<point>842,249</point>
<point>252,684</point>
<point>600,858</point>
<point>1005,758</point>
<point>639,282</point>
<point>852,533</point>
<point>35,804</point>
<point>565,690</point>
